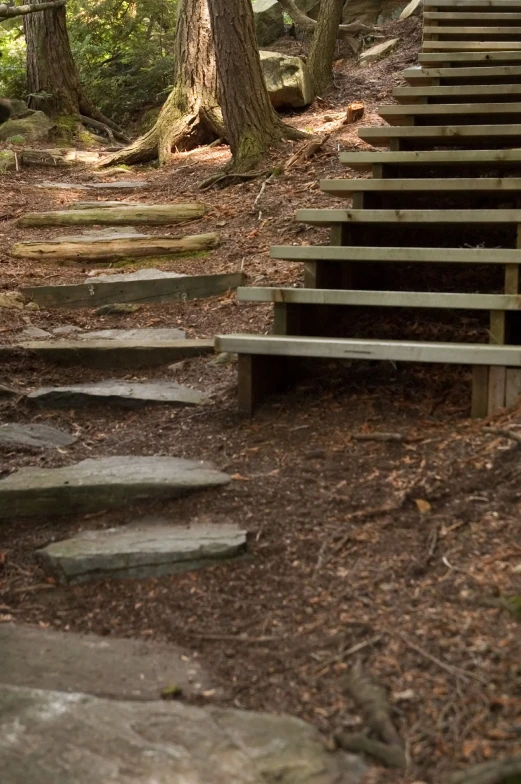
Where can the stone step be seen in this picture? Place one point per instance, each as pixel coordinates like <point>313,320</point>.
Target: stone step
<point>102,666</point>
<point>144,286</point>
<point>443,135</point>
<point>108,354</point>
<point>116,392</point>
<point>140,551</point>
<point>77,738</point>
<point>35,436</point>
<point>96,484</point>
<point>414,158</point>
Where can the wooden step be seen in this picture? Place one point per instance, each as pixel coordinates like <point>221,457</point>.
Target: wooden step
<point>470,46</point>
<point>390,299</point>
<point>483,74</point>
<point>456,93</point>
<point>403,114</point>
<point>347,187</point>
<point>470,58</point>
<point>328,217</point>
<point>472,16</point>
<point>458,5</point>
<point>351,348</point>
<point>370,255</point>
<point>443,135</point>
<point>478,158</point>
<point>480,33</point>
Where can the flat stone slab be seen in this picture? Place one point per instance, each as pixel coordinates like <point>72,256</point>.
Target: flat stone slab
<point>128,277</point>
<point>102,666</point>
<point>111,353</point>
<point>92,186</point>
<point>140,551</point>
<point>150,334</point>
<point>36,435</point>
<point>50,737</point>
<point>378,51</point>
<point>116,392</point>
<point>93,485</point>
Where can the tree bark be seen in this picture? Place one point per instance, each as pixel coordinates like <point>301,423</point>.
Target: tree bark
<point>191,114</point>
<point>252,126</point>
<point>52,79</point>
<point>323,45</point>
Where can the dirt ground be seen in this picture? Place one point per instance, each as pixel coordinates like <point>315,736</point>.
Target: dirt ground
<point>379,550</point>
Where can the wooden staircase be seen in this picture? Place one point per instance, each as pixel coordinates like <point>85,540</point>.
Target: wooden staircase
<point>452,172</point>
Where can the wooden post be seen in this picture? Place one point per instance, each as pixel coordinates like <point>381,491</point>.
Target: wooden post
<point>260,376</point>
<point>479,406</point>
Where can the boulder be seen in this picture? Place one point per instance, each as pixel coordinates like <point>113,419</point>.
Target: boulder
<point>35,127</point>
<point>269,21</point>
<point>7,160</point>
<point>287,79</point>
<point>19,109</point>
<point>369,11</point>
<point>51,737</point>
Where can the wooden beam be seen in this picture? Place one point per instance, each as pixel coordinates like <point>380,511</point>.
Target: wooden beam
<point>350,348</point>
<point>455,92</point>
<point>471,46</point>
<point>473,58</point>
<point>443,134</point>
<point>481,73</point>
<point>327,217</point>
<point>479,158</point>
<point>396,113</point>
<point>304,253</point>
<point>346,188</point>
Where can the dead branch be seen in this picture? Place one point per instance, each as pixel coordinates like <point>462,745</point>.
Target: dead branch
<point>378,437</point>
<point>8,11</point>
<point>306,152</point>
<point>372,701</point>
<point>357,742</point>
<point>231,176</point>
<point>450,668</point>
<point>506,771</point>
<point>305,22</point>
<point>499,431</point>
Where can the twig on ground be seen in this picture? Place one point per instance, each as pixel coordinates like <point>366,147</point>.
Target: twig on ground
<point>263,188</point>
<point>458,672</point>
<point>498,431</point>
<point>217,178</point>
<point>345,654</point>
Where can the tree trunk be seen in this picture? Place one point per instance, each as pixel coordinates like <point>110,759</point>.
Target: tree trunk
<point>191,114</point>
<point>323,45</point>
<point>52,79</point>
<point>252,125</point>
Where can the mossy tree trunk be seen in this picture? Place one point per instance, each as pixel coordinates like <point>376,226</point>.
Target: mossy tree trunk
<point>52,79</point>
<point>252,126</point>
<point>323,45</point>
<point>191,114</point>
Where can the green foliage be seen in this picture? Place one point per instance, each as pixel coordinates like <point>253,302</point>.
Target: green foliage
<point>123,51</point>
<point>12,64</point>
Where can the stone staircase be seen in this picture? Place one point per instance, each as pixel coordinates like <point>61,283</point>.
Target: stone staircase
<point>445,196</point>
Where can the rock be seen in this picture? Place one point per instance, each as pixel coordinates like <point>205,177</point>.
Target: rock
<point>19,108</point>
<point>108,482</point>
<point>414,7</point>
<point>269,21</point>
<point>117,392</point>
<point>7,160</point>
<point>12,300</point>
<point>50,737</point>
<point>223,359</point>
<point>67,329</point>
<point>36,332</point>
<point>102,666</point>
<point>117,309</point>
<point>287,79</point>
<point>35,127</point>
<point>376,53</point>
<point>177,367</point>
<point>140,551</point>
<point>142,274</point>
<point>148,334</point>
<point>368,11</point>
<point>36,435</point>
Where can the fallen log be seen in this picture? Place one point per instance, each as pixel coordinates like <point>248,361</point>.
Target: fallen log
<point>117,247</point>
<point>152,215</point>
<point>57,158</point>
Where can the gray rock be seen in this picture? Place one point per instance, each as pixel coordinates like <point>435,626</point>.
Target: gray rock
<point>68,329</point>
<point>36,332</point>
<point>37,435</point>
<point>143,274</point>
<point>223,359</point>
<point>36,127</point>
<point>377,52</point>
<point>287,79</point>
<point>102,666</point>
<point>93,485</point>
<point>140,551</point>
<point>159,335</point>
<point>117,392</point>
<point>54,738</point>
<point>269,21</point>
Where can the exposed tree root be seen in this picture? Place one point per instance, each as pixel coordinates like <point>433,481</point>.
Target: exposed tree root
<point>507,771</point>
<point>305,22</point>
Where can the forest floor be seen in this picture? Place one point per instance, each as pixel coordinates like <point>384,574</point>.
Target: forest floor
<point>358,548</point>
